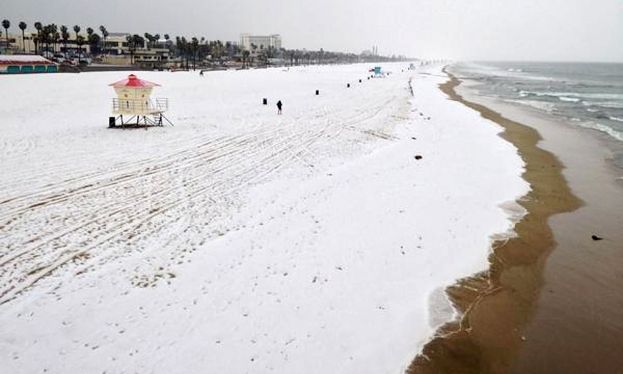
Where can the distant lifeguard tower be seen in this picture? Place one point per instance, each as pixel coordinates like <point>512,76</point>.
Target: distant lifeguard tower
<point>378,73</point>
<point>135,103</point>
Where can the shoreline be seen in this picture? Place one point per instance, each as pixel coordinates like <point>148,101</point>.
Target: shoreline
<point>497,303</point>
<point>579,308</point>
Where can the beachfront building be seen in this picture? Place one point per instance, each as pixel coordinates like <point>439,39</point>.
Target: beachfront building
<point>371,52</point>
<point>17,45</point>
<point>257,43</point>
<point>12,44</point>
<point>117,51</point>
<point>29,45</point>
<point>16,64</point>
<point>116,44</point>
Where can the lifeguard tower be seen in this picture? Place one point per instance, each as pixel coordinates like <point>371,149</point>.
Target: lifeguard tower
<point>378,73</point>
<point>135,103</point>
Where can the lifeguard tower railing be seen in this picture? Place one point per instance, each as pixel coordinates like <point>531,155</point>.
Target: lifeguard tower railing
<point>140,107</point>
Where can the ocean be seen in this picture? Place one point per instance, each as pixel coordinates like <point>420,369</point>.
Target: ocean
<point>588,95</point>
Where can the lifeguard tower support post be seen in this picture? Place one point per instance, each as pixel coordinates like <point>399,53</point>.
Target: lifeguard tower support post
<point>135,103</point>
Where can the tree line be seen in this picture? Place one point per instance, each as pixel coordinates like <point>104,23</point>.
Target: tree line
<point>53,36</point>
<point>188,50</point>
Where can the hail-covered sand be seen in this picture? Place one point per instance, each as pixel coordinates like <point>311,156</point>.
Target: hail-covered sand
<point>238,240</point>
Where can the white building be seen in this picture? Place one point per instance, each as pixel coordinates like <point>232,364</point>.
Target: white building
<point>117,51</point>
<point>256,43</point>
<point>114,51</point>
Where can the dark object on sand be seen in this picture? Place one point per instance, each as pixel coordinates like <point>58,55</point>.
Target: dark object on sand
<point>360,81</point>
<point>418,157</point>
<point>279,105</point>
<point>111,122</point>
<point>347,85</point>
<point>595,237</point>
<point>317,92</point>
<point>265,101</point>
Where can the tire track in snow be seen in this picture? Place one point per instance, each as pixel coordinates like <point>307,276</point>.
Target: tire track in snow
<point>230,163</point>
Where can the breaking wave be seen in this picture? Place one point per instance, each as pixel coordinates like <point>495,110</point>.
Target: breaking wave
<point>541,105</point>
<point>577,96</point>
<point>603,128</point>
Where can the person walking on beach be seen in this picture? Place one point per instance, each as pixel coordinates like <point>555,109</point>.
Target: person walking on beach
<point>279,105</point>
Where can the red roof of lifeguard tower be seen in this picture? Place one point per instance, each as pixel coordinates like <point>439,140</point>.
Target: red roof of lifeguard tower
<point>133,81</point>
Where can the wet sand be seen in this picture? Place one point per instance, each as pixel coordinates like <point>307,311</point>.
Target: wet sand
<point>578,323</point>
<point>498,304</point>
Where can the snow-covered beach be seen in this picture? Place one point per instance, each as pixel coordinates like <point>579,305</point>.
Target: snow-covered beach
<point>239,240</point>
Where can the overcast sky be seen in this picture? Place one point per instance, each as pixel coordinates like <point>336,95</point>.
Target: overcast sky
<point>564,30</point>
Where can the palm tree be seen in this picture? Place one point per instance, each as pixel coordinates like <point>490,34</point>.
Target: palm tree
<point>38,27</point>
<point>245,58</point>
<point>130,41</point>
<point>22,26</point>
<point>80,42</point>
<point>56,37</point>
<point>216,49</point>
<point>53,30</point>
<point>184,47</point>
<point>77,31</point>
<point>45,37</point>
<point>228,48</point>
<point>65,36</point>
<point>168,43</point>
<point>194,47</point>
<point>104,36</point>
<point>149,38</point>
<point>134,41</point>
<point>89,38</point>
<point>35,39</point>
<point>6,24</point>
<point>254,48</point>
<point>94,41</point>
